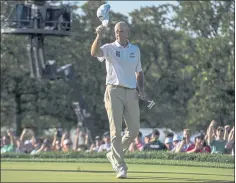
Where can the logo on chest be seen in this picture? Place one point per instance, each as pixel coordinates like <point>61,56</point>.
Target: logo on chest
<point>118,53</point>
<point>131,55</point>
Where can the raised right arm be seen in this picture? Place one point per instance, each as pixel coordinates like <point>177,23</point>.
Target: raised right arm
<point>210,132</point>
<point>95,48</point>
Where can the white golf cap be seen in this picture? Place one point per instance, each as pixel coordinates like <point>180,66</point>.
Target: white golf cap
<point>177,137</point>
<point>103,14</point>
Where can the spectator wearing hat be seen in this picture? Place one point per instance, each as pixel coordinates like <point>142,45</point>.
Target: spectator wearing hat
<point>199,146</point>
<point>28,145</point>
<point>186,142</point>
<point>176,140</point>
<point>66,143</point>
<point>107,143</point>
<point>137,145</point>
<point>95,147</point>
<point>169,143</point>
<point>155,143</point>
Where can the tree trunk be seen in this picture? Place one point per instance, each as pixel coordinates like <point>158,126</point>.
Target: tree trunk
<point>18,114</point>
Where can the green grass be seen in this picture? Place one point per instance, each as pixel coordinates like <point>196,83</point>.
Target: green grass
<point>102,172</point>
<point>170,162</point>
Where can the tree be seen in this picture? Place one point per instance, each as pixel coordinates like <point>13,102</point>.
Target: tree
<point>166,70</point>
<point>187,61</point>
<point>211,23</point>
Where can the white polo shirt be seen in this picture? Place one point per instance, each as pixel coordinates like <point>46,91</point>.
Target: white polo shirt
<point>121,64</point>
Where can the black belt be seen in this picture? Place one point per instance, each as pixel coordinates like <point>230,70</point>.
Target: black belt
<point>119,86</point>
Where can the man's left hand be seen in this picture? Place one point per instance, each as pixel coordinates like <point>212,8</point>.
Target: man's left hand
<point>142,94</point>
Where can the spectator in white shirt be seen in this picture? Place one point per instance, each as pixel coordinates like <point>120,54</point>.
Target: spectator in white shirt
<point>107,143</point>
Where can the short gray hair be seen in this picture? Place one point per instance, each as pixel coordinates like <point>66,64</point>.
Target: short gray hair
<point>122,22</point>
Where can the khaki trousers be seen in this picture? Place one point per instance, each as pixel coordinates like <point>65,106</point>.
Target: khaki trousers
<point>122,102</point>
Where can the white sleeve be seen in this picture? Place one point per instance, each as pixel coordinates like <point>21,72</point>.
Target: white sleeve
<point>105,50</point>
<point>101,147</point>
<point>139,66</point>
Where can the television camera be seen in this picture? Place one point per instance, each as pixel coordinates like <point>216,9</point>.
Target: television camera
<point>35,20</point>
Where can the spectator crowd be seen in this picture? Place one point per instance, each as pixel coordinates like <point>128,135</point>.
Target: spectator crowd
<point>217,139</point>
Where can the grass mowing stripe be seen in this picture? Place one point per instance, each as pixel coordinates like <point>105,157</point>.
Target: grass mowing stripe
<point>102,172</point>
<point>131,161</point>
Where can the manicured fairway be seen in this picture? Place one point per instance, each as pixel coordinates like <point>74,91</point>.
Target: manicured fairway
<point>101,172</point>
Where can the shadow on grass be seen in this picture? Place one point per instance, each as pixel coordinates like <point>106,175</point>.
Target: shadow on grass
<point>178,179</point>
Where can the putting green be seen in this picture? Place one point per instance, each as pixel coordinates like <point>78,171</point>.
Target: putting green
<point>102,172</point>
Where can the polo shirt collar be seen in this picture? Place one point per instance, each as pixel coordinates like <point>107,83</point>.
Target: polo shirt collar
<point>120,46</point>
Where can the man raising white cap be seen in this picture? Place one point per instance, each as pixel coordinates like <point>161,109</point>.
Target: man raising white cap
<point>124,75</point>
